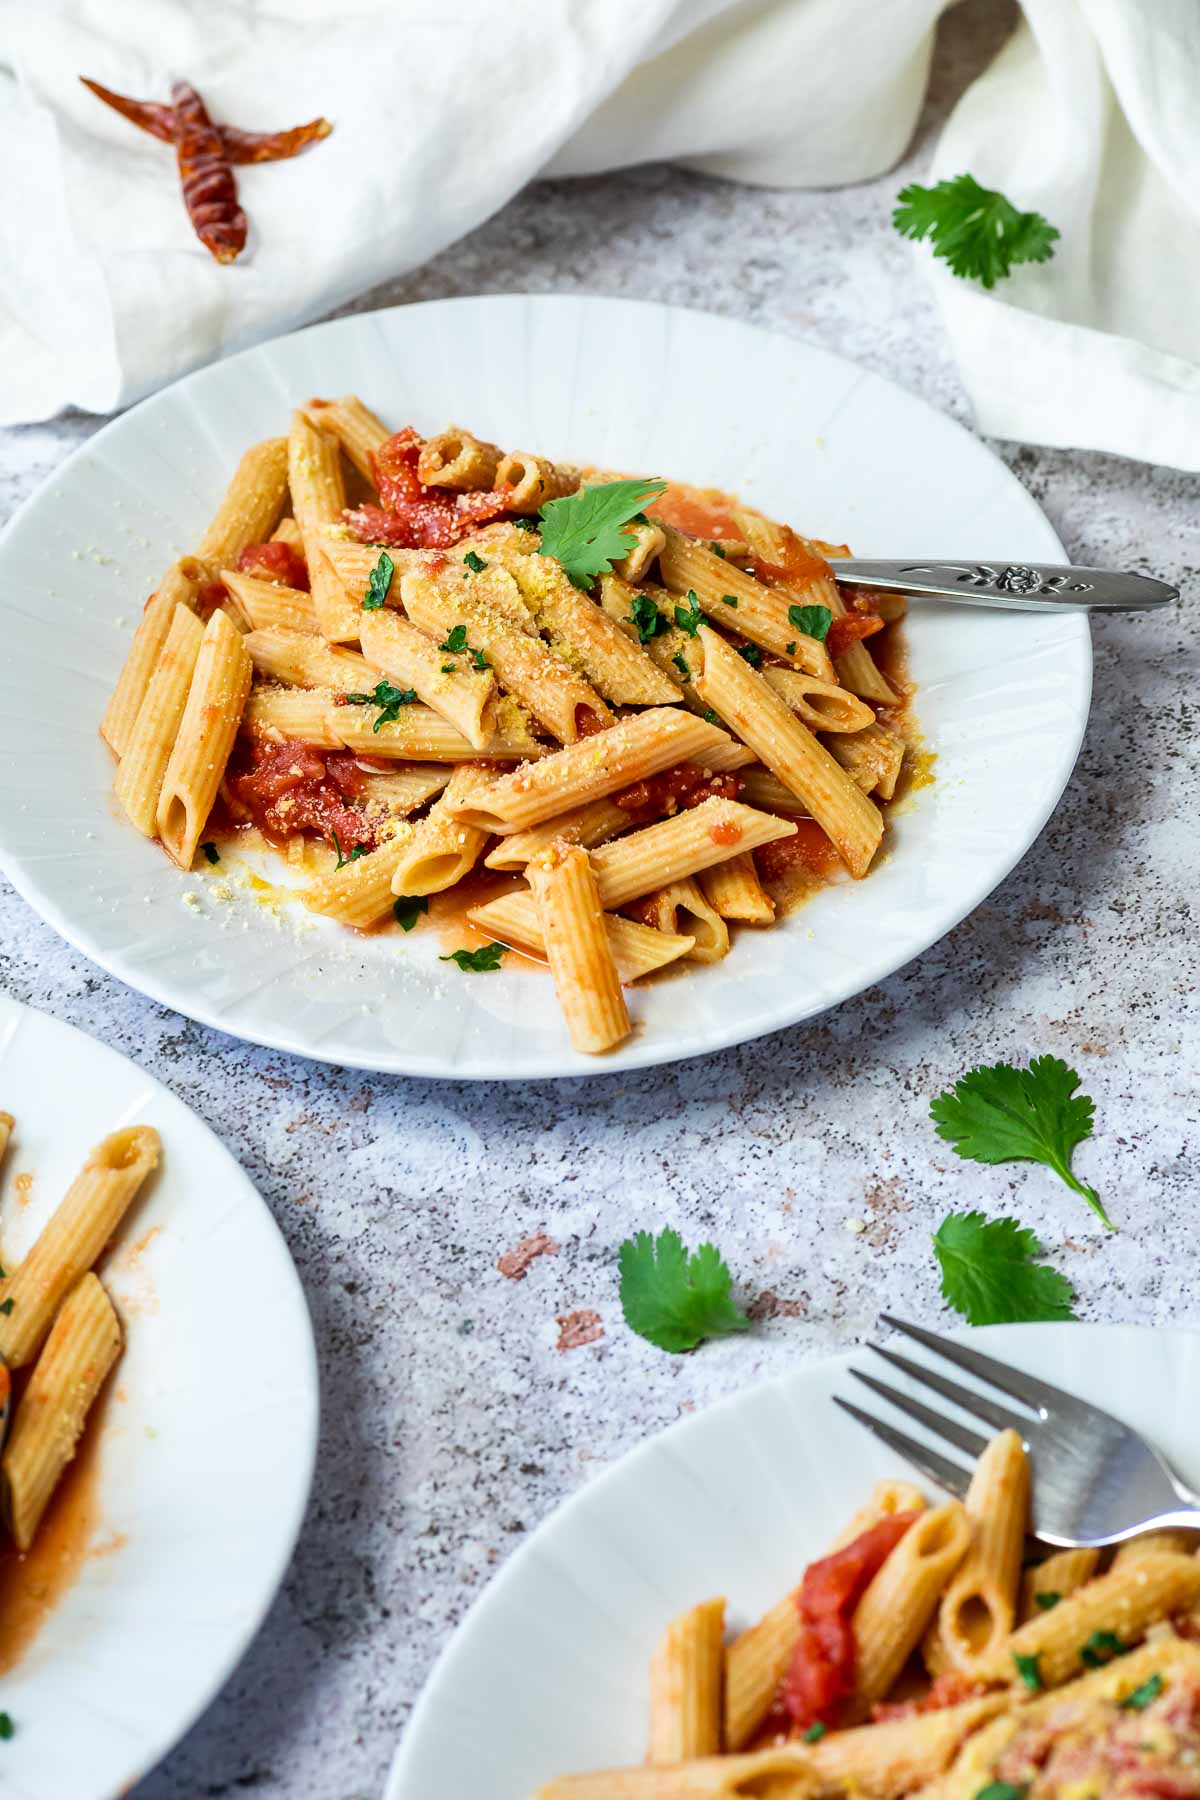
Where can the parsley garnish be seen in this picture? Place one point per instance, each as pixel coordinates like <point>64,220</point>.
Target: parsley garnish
<point>815,1732</point>
<point>1027,1669</point>
<point>1047,1602</point>
<point>710,716</point>
<point>689,618</point>
<point>675,1300</point>
<point>751,654</point>
<point>990,1276</point>
<point>457,640</point>
<point>408,909</point>
<point>477,962</point>
<point>585,532</point>
<point>1100,1648</point>
<point>6,1307</point>
<point>998,1114</point>
<point>718,550</point>
<point>211,853</point>
<point>1142,1696</point>
<point>729,599</point>
<point>526,522</point>
<point>7,1728</point>
<point>379,583</point>
<point>387,697</point>
<point>1001,1790</point>
<point>449,668</point>
<point>479,660</point>
<point>475,563</point>
<point>358,850</point>
<point>680,661</point>
<point>790,649</point>
<point>813,621</point>
<point>647,618</point>
<point>977,230</point>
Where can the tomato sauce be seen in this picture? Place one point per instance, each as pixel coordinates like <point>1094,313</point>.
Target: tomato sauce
<point>809,850</point>
<point>822,1673</point>
<point>412,516</point>
<point>292,787</point>
<point>274,561</point>
<point>701,512</point>
<point>950,1688</point>
<point>674,790</point>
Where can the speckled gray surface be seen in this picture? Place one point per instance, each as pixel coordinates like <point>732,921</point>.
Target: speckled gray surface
<point>452,1423</point>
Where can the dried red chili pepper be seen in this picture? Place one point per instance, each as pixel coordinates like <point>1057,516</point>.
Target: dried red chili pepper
<point>240,147</point>
<point>209,190</point>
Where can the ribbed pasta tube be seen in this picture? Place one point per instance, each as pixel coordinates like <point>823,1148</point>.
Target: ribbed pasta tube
<point>360,892</point>
<point>1151,1543</point>
<point>456,459</point>
<point>595,767</point>
<point>683,906</point>
<point>178,587</point>
<point>451,685</point>
<point>979,1606</point>
<point>420,734</point>
<point>148,748</point>
<point>216,698</point>
<point>357,429</point>
<point>302,715</point>
<point>637,949</point>
<point>72,1238</point>
<point>872,758</point>
<point>823,705</point>
<point>267,603</point>
<point>251,506</point>
<point>892,1615</point>
<point>533,480</point>
<point>591,824</point>
<point>1052,1580</point>
<point>441,849</point>
<point>734,891</point>
<point>581,961</point>
<point>303,659</point>
<point>319,499</point>
<point>6,1130</point>
<point>84,1343</point>
<point>1125,1602</point>
<point>685,1685</point>
<point>760,718</point>
<point>651,541</point>
<point>586,637</point>
<point>681,846</point>
<point>402,790</point>
<point>761,613</point>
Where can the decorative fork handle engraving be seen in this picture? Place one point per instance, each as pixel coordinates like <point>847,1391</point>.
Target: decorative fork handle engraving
<point>1046,587</point>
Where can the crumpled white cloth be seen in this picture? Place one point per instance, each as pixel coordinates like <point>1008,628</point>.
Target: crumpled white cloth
<point>444,108</point>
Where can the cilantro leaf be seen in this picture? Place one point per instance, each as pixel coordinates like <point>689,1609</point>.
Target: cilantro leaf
<point>585,531</point>
<point>408,909</point>
<point>977,230</point>
<point>989,1274</point>
<point>477,962</point>
<point>751,654</point>
<point>389,698</point>
<point>647,618</point>
<point>675,1300</point>
<point>999,1114</point>
<point>457,639</point>
<point>689,618</point>
<point>379,583</point>
<point>358,850</point>
<point>813,621</point>
<point>1141,1697</point>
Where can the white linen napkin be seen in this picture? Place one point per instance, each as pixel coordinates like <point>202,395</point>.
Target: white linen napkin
<point>444,108</point>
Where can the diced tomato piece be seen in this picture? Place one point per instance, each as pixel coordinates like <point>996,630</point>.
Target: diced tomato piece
<point>274,561</point>
<point>822,1671</point>
<point>851,628</point>
<point>294,787</point>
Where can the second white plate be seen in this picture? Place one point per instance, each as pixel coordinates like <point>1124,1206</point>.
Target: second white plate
<point>810,438</point>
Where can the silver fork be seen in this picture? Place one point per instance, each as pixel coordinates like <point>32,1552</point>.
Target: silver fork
<point>1094,1480</point>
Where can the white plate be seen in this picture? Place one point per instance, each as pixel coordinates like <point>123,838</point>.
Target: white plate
<point>547,1675</point>
<point>208,1438</point>
<point>841,453</point>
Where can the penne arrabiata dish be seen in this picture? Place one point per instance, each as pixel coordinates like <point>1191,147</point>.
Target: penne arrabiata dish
<point>609,718</point>
<point>920,1657</point>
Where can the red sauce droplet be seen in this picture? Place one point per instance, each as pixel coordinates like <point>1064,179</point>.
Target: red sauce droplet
<point>726,832</point>
<point>274,561</point>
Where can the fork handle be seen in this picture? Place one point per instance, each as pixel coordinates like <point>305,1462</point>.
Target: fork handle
<point>1049,587</point>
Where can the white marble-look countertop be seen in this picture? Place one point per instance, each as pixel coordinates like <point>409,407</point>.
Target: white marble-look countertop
<point>451,1422</point>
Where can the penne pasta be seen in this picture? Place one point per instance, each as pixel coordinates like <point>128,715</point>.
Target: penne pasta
<point>150,743</point>
<point>6,1130</point>
<point>822,705</point>
<point>685,1685</point>
<point>303,659</point>
<point>462,694</point>
<point>734,891</point>
<point>979,1607</point>
<point>683,906</point>
<point>533,480</point>
<point>892,1615</point>
<point>404,790</point>
<point>179,587</point>
<point>637,562</point>
<point>318,499</point>
<point>419,734</point>
<point>637,949</point>
<point>356,428</point>
<point>441,849</point>
<point>455,459</point>
<point>591,824</point>
<point>585,637</point>
<point>83,1344</point>
<point>300,715</point>
<point>1043,1586</point>
<point>268,603</point>
<point>358,892</point>
<point>72,1239</point>
<point>761,614</point>
<point>872,758</point>
<point>211,717</point>
<point>567,900</point>
<point>250,509</point>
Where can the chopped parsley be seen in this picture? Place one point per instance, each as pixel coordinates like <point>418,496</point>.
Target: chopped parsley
<point>1028,1670</point>
<point>978,231</point>
<point>813,621</point>
<point>408,909</point>
<point>1046,1602</point>
<point>475,563</point>
<point>6,1307</point>
<point>1001,1790</point>
<point>990,1273</point>
<point>728,599</point>
<point>211,853</point>
<point>647,618</point>
<point>718,550</point>
<point>526,522</point>
<point>790,649</point>
<point>7,1728</point>
<point>586,532</point>
<point>379,583</point>
<point>709,715</point>
<point>752,654</point>
<point>477,962</point>
<point>680,661</point>
<point>815,1732</point>
<point>479,660</point>
<point>449,668</point>
<point>676,1300</point>
<point>388,698</point>
<point>358,850</point>
<point>689,618</point>
<point>1100,1648</point>
<point>1141,1697</point>
<point>456,641</point>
